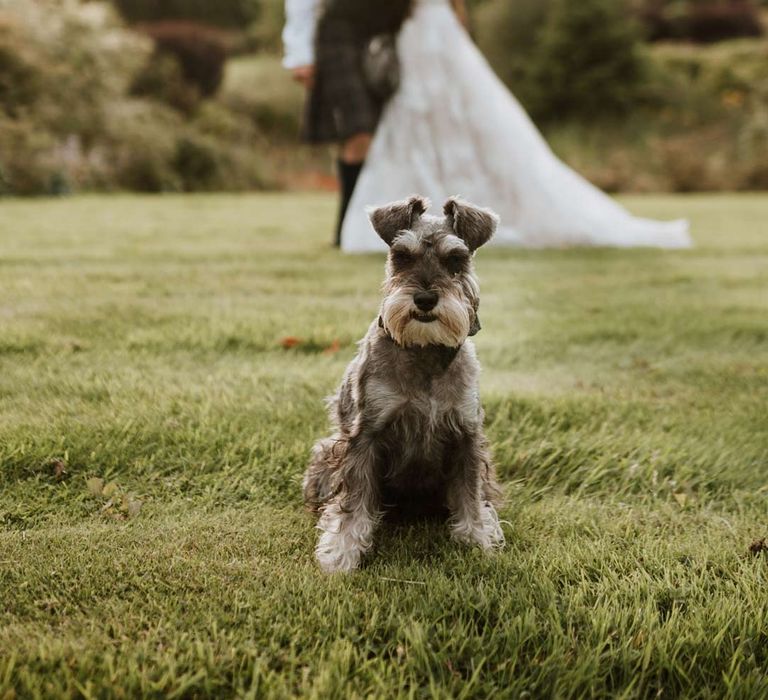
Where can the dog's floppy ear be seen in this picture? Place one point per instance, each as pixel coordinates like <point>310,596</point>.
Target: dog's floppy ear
<point>393,218</point>
<point>473,225</point>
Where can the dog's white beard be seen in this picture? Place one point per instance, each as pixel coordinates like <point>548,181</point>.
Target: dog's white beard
<point>450,327</point>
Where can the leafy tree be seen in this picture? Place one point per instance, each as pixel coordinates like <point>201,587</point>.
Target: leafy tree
<point>222,13</point>
<point>589,61</point>
<point>509,34</point>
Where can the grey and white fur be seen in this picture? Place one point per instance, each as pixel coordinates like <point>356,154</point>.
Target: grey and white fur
<point>408,420</point>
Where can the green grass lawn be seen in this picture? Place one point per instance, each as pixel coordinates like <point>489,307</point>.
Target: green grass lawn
<point>140,345</point>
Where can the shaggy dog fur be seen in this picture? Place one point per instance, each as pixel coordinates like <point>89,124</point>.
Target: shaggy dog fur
<point>408,419</point>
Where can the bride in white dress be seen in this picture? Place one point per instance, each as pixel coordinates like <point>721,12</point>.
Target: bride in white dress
<point>454,128</point>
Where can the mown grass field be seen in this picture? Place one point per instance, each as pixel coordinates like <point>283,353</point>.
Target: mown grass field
<point>141,344</point>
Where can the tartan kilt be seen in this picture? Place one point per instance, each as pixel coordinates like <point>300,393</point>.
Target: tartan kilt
<point>340,103</point>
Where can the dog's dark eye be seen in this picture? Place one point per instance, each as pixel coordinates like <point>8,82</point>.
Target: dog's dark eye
<point>455,263</point>
<point>402,258</point>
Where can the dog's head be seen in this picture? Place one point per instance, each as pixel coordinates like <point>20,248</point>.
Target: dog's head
<point>431,292</point>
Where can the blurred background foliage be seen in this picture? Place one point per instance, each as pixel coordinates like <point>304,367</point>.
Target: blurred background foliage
<point>189,95</point>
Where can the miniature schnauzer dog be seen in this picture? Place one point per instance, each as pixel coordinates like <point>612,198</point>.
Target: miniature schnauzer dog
<point>408,420</point>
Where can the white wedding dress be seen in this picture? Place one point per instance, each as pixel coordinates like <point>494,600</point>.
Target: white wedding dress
<point>453,128</point>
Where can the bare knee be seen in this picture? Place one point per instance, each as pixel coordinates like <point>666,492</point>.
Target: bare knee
<point>355,148</point>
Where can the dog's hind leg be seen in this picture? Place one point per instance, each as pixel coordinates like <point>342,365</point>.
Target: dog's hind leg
<point>322,478</point>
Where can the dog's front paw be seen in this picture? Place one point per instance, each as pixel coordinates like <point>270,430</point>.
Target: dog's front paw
<point>346,536</point>
<point>483,530</point>
<point>493,535</point>
<point>335,553</point>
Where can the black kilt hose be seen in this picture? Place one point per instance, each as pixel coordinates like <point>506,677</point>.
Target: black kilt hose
<point>340,104</point>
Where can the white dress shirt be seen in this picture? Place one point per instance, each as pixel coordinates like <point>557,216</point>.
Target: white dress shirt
<point>299,32</point>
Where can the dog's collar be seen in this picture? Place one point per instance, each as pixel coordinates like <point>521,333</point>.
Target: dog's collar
<point>443,352</point>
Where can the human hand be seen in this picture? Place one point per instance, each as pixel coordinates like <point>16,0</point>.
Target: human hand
<point>304,75</point>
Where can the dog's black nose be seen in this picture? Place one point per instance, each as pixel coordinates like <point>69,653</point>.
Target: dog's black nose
<point>425,301</point>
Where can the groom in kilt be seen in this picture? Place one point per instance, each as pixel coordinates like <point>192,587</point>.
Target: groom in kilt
<point>325,45</point>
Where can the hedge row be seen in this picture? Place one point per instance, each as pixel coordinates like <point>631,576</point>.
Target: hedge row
<point>222,13</point>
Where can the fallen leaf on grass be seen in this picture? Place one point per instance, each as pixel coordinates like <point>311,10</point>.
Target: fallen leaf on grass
<point>131,506</point>
<point>681,499</point>
<point>117,505</point>
<point>310,346</point>
<point>59,467</point>
<point>758,547</point>
<point>95,486</point>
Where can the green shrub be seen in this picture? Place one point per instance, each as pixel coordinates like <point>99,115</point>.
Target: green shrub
<point>29,161</point>
<point>564,59</point>
<point>61,64</point>
<point>256,86</point>
<point>200,51</point>
<point>264,34</point>
<point>21,81</point>
<point>223,150</point>
<point>509,35</point>
<point>147,171</point>
<point>141,140</point>
<point>754,176</point>
<point>156,149</point>
<point>589,62</point>
<point>222,13</point>
<point>701,21</point>
<point>196,161</point>
<point>699,85</point>
<point>83,108</point>
<point>163,79</point>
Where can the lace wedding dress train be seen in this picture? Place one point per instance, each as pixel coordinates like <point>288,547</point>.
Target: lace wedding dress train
<point>454,128</point>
